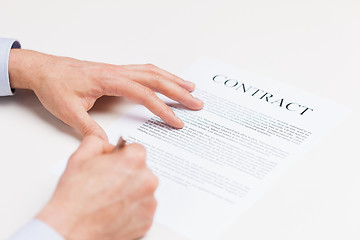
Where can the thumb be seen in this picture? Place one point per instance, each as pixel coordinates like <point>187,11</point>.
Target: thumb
<point>84,123</point>
<point>91,146</point>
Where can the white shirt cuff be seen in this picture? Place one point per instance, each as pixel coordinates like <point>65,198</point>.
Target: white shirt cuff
<point>5,46</point>
<point>36,230</point>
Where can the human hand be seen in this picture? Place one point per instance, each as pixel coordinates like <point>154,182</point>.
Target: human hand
<point>68,88</point>
<point>103,195</point>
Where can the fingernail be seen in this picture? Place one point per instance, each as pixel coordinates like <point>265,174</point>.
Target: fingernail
<point>197,100</point>
<point>181,123</point>
<point>190,84</point>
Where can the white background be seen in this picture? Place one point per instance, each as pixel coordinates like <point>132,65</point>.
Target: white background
<point>310,44</point>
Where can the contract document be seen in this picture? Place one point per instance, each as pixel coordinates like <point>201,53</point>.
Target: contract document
<point>250,131</point>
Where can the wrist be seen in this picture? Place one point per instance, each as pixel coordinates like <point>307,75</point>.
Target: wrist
<point>20,65</point>
<point>57,218</point>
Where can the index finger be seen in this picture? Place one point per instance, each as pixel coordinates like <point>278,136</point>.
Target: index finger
<point>145,96</point>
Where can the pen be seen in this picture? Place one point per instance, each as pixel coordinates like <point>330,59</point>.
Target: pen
<point>120,144</point>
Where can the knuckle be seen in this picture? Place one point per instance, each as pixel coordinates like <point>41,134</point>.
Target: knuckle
<point>137,154</point>
<point>88,130</point>
<point>152,182</point>
<point>157,78</point>
<point>151,67</point>
<point>148,95</point>
<point>149,182</point>
<point>155,181</point>
<point>153,206</point>
<point>104,73</point>
<point>139,149</point>
<point>158,82</point>
<point>154,203</point>
<point>148,92</point>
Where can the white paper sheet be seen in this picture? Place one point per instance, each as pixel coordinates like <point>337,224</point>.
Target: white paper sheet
<point>249,132</point>
<point>228,154</point>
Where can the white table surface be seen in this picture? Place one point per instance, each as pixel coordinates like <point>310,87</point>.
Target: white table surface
<point>310,44</point>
